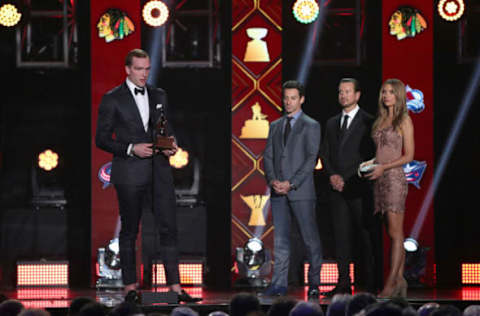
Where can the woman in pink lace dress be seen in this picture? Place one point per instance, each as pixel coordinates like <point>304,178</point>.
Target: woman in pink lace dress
<point>393,135</point>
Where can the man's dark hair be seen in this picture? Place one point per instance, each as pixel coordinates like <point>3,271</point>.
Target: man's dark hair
<point>137,52</point>
<point>356,84</point>
<point>293,84</point>
<point>306,309</point>
<point>358,302</point>
<point>11,307</point>
<point>93,309</point>
<point>282,306</point>
<point>244,303</point>
<point>77,305</point>
<point>339,305</point>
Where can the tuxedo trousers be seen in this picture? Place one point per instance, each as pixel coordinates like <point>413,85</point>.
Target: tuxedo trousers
<point>304,213</point>
<point>131,200</point>
<point>351,232</point>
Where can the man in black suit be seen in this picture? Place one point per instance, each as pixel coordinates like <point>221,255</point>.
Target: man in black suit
<point>289,158</point>
<point>129,111</point>
<point>348,143</point>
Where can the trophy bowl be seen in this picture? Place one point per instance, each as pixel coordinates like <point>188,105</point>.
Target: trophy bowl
<point>257,32</point>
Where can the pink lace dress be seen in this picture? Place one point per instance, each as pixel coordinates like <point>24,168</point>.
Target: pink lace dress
<point>390,190</point>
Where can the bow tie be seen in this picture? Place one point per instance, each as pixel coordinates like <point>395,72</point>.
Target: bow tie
<point>137,91</point>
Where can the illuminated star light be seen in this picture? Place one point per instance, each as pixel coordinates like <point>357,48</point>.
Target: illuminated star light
<point>305,11</point>
<point>451,7</point>
<point>9,15</point>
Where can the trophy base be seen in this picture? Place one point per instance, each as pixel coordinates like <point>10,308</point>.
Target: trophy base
<point>164,142</point>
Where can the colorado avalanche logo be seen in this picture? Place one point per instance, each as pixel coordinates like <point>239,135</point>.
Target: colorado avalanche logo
<point>104,174</point>
<point>414,172</point>
<point>414,100</point>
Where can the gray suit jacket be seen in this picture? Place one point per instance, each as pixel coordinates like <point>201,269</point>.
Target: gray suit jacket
<point>294,161</point>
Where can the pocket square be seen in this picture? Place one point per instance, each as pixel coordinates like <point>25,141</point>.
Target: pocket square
<point>159,106</point>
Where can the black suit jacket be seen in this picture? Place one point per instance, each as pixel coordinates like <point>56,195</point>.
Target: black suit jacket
<point>120,124</point>
<point>342,155</point>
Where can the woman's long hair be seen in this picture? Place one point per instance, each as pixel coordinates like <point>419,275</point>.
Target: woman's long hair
<point>399,109</point>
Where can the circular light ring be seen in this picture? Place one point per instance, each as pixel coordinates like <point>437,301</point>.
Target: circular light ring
<point>148,13</point>
<point>305,11</point>
<point>451,10</point>
<point>9,15</point>
<point>48,160</point>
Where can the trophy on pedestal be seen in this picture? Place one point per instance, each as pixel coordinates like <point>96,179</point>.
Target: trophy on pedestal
<point>161,138</point>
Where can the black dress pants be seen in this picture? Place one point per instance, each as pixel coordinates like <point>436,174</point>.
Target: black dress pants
<point>351,231</point>
<point>130,200</point>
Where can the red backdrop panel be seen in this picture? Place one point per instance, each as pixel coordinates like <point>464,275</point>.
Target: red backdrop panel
<point>253,82</point>
<point>107,62</point>
<point>411,60</point>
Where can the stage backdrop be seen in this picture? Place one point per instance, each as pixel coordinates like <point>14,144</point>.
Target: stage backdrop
<point>411,60</point>
<point>256,101</point>
<point>107,62</point>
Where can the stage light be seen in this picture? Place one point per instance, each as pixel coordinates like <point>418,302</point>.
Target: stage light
<point>190,272</point>
<point>253,262</point>
<point>180,159</point>
<point>9,15</point>
<point>329,273</point>
<point>108,266</point>
<point>410,244</point>
<point>305,11</point>
<point>155,13</point>
<point>451,10</point>
<point>415,262</point>
<point>471,273</point>
<point>48,160</point>
<point>42,273</point>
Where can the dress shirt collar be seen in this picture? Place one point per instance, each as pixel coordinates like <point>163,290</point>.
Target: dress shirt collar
<point>351,114</point>
<point>131,86</point>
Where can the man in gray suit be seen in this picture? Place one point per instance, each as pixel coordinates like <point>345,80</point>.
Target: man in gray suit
<point>290,156</point>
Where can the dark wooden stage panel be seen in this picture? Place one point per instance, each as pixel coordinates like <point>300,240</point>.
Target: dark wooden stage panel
<point>57,300</point>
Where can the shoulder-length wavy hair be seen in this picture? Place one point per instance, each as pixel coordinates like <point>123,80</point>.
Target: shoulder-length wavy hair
<point>399,109</point>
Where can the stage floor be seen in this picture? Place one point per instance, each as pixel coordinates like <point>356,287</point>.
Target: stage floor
<point>57,300</point>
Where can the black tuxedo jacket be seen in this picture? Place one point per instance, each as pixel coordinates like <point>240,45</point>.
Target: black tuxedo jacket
<point>343,154</point>
<point>120,124</point>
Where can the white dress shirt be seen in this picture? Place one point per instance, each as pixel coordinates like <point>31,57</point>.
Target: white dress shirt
<point>350,114</point>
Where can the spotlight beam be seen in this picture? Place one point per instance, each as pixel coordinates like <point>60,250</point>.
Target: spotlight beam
<point>451,141</point>
<point>314,33</point>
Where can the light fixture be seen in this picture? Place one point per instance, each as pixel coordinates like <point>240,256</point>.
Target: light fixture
<point>253,262</point>
<point>155,13</point>
<point>305,11</point>
<point>451,10</point>
<point>108,262</point>
<point>48,160</point>
<point>47,180</point>
<point>415,262</point>
<point>410,244</point>
<point>180,159</point>
<point>9,15</point>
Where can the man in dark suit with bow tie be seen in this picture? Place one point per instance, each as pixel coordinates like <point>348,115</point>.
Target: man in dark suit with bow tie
<point>130,111</point>
<point>289,158</point>
<point>348,143</point>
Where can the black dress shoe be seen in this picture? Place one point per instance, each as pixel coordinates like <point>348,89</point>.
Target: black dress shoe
<point>313,293</point>
<point>185,297</point>
<point>339,289</point>
<point>133,297</point>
